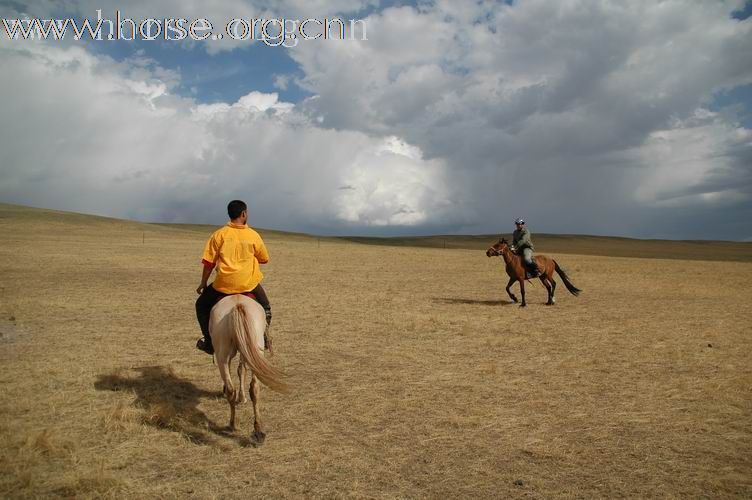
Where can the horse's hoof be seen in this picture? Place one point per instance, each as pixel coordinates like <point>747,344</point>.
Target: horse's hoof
<point>523,305</point>
<point>259,437</point>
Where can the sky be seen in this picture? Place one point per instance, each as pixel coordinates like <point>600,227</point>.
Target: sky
<point>453,117</point>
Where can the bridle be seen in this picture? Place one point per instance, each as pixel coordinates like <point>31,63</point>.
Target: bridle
<point>496,252</point>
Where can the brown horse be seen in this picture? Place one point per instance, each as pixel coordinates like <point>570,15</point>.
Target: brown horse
<point>516,270</point>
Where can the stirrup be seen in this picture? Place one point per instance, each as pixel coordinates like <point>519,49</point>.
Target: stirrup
<point>203,345</point>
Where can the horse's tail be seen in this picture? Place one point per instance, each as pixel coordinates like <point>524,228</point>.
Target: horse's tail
<point>570,286</point>
<point>250,353</point>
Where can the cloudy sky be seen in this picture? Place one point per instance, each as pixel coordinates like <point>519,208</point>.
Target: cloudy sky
<point>583,116</point>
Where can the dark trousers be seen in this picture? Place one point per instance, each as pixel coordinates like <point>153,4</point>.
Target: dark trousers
<point>210,296</point>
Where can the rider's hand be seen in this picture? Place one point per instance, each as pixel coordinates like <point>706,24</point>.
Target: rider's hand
<point>200,289</point>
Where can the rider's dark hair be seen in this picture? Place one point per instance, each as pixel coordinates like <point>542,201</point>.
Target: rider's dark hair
<point>235,208</point>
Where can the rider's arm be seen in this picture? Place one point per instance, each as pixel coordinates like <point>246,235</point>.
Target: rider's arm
<point>262,254</point>
<point>524,240</point>
<point>205,273</point>
<point>211,253</point>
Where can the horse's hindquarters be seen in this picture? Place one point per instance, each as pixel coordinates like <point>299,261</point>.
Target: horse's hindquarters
<point>221,325</point>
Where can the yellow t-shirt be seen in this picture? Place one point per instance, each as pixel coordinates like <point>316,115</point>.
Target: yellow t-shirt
<point>236,251</point>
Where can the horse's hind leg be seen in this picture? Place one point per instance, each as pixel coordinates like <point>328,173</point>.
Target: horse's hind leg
<point>240,394</point>
<point>509,289</point>
<point>258,429</point>
<point>229,388</point>
<point>553,290</point>
<point>544,280</point>
<point>522,292</point>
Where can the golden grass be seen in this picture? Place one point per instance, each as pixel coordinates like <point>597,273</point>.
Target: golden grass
<point>411,374</point>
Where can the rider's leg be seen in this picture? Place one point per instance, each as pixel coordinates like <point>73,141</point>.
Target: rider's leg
<point>527,255</point>
<point>262,299</point>
<point>204,305</point>
<point>538,269</point>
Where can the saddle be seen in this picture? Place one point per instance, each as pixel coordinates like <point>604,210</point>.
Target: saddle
<point>250,295</point>
<point>530,272</point>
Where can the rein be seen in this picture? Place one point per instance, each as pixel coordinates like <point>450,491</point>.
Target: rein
<point>502,254</point>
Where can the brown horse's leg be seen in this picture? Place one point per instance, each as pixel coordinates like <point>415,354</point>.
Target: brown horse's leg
<point>258,429</point>
<point>544,280</point>
<point>509,289</point>
<point>522,292</point>
<point>512,296</point>
<point>553,288</point>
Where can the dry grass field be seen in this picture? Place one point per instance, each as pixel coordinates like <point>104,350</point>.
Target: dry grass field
<point>412,376</point>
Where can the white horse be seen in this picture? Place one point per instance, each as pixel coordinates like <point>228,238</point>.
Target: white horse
<point>237,324</point>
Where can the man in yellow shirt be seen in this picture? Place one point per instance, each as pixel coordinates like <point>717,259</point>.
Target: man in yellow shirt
<point>235,251</point>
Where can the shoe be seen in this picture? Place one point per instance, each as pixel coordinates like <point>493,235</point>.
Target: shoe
<point>204,345</point>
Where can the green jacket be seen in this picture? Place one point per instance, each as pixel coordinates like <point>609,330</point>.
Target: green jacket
<point>521,239</point>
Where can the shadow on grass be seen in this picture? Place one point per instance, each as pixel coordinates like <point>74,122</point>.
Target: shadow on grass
<point>170,402</point>
<point>454,300</point>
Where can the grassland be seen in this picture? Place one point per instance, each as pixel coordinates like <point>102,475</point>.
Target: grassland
<point>412,375</point>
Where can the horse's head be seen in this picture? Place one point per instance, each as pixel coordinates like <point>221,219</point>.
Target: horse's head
<point>497,248</point>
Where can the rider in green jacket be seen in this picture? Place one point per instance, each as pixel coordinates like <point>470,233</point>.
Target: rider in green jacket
<point>522,244</point>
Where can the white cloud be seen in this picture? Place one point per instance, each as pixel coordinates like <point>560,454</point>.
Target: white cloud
<point>692,163</point>
<point>547,109</point>
<point>282,82</point>
<point>583,116</point>
<point>389,184</point>
<point>86,136</point>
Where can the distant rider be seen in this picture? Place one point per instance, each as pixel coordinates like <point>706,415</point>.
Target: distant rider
<point>235,251</point>
<point>522,244</point>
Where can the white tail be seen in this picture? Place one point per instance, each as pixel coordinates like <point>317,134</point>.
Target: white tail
<point>251,355</point>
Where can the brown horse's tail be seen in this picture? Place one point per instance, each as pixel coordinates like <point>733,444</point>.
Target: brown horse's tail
<point>251,355</point>
<point>570,286</point>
